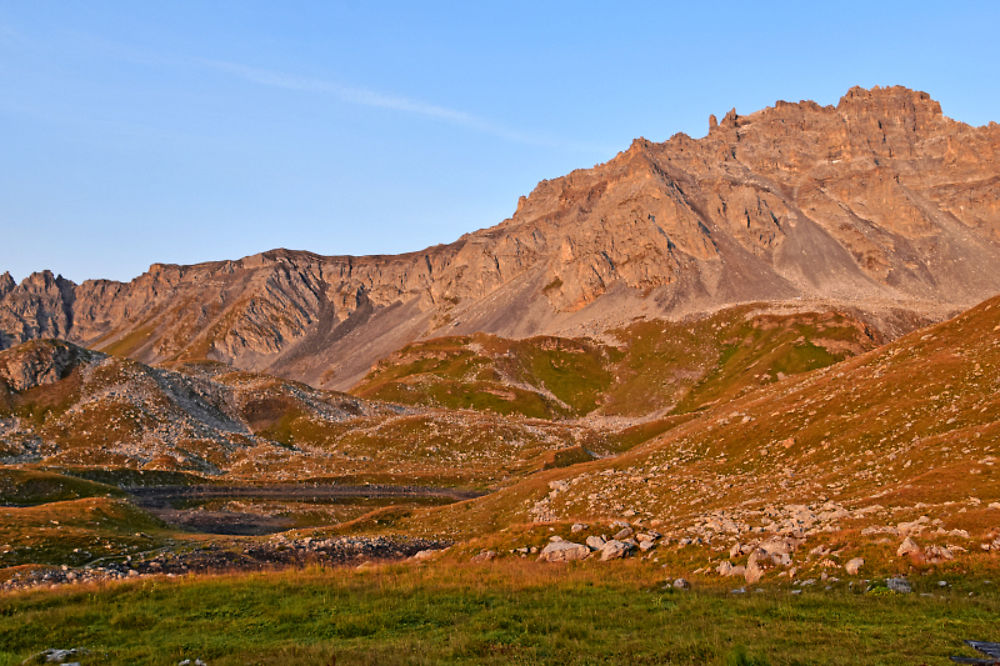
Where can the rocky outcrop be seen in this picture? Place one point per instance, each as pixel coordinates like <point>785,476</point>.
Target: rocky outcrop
<point>880,202</point>
<point>42,362</point>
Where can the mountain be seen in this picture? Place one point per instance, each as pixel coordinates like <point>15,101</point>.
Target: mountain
<point>880,203</point>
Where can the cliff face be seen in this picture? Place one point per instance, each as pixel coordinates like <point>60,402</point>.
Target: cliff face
<point>880,203</point>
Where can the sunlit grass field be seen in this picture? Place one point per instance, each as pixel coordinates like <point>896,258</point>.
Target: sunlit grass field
<point>501,612</point>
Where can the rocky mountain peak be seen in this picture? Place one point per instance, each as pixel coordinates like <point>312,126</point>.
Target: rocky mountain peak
<point>6,283</point>
<point>864,101</point>
<point>880,204</point>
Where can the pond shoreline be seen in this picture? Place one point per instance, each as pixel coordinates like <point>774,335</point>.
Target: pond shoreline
<point>157,495</point>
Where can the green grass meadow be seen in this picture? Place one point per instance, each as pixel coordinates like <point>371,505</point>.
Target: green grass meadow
<point>498,613</point>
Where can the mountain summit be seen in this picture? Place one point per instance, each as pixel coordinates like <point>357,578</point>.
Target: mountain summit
<point>880,204</point>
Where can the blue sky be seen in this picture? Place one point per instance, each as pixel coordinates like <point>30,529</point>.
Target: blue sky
<point>137,132</point>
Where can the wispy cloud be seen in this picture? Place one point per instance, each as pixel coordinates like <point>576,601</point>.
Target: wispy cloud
<point>372,98</point>
<point>8,36</point>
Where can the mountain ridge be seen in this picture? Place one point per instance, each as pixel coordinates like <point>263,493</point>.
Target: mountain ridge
<point>879,203</point>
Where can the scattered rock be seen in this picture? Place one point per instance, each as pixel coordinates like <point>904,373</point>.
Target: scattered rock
<point>898,584</point>
<point>854,565</point>
<point>578,527</point>
<point>682,584</point>
<point>908,547</point>
<point>614,550</point>
<point>726,568</point>
<point>595,542</point>
<point>624,533</point>
<point>56,656</point>
<point>563,551</point>
<point>485,556</point>
<point>935,553</point>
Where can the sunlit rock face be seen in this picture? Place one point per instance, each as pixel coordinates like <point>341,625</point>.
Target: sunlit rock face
<point>880,203</point>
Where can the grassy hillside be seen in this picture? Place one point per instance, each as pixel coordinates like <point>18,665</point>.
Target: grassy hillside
<point>851,459</point>
<point>649,366</point>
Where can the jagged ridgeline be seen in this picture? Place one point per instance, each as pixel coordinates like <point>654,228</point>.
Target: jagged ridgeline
<point>880,203</point>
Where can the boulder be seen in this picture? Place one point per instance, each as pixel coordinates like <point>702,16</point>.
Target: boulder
<point>908,547</point>
<point>726,568</point>
<point>753,571</point>
<point>563,551</point>
<point>614,550</point>
<point>898,584</point>
<point>595,542</point>
<point>854,565</point>
<point>624,533</point>
<point>578,527</point>
<point>682,584</point>
<point>484,556</point>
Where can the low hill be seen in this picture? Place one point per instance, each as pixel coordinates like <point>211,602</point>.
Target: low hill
<point>62,405</point>
<point>647,368</point>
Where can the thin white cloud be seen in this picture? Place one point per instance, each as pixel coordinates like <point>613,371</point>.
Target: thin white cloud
<point>372,98</point>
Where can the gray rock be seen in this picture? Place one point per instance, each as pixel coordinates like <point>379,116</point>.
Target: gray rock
<point>624,533</point>
<point>578,527</point>
<point>682,584</point>
<point>614,550</point>
<point>563,551</point>
<point>595,542</point>
<point>898,584</point>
